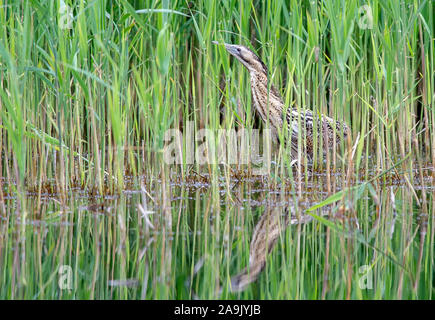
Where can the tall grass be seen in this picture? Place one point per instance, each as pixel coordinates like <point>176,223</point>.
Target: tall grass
<point>87,97</point>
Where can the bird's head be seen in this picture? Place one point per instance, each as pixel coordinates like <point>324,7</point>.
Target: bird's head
<point>248,58</point>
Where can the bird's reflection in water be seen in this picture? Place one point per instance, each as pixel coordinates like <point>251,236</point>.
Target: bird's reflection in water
<point>271,224</point>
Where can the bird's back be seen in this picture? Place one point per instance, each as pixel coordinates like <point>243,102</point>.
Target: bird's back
<point>313,127</point>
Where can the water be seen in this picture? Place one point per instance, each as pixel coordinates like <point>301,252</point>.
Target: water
<point>239,237</point>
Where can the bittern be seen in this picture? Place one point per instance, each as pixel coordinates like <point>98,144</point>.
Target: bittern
<point>270,107</point>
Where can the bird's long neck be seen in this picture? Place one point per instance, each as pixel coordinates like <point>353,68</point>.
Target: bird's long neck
<point>266,100</point>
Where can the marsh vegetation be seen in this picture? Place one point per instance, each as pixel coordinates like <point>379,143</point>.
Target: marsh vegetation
<point>90,209</point>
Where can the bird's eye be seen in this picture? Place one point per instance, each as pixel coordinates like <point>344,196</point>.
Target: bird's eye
<point>238,50</point>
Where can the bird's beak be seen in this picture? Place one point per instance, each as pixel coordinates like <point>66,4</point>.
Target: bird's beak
<point>232,49</point>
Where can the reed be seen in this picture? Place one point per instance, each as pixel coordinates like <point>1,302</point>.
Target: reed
<point>89,90</point>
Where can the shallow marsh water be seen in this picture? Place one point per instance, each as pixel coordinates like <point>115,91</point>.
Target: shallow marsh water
<point>194,238</point>
<point>86,107</point>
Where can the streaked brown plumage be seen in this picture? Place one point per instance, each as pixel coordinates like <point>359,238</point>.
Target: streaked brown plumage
<point>270,107</point>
